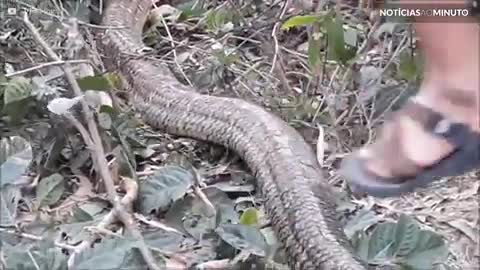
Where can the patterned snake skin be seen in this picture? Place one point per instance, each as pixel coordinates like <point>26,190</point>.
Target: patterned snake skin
<point>284,165</point>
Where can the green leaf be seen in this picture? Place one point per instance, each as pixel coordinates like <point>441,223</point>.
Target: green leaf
<point>406,236</point>
<point>401,243</point>
<point>244,238</point>
<point>410,67</point>
<point>17,89</point>
<point>36,257</point>
<point>188,12</point>
<point>336,41</point>
<point>15,157</point>
<point>17,98</point>
<point>3,81</point>
<point>430,250</point>
<point>360,242</point>
<point>50,189</point>
<point>117,253</point>
<point>121,128</point>
<point>249,217</point>
<point>227,59</point>
<point>167,185</point>
<point>361,221</point>
<point>300,21</point>
<point>216,19</point>
<point>166,240</point>
<point>75,232</point>
<point>18,110</point>
<point>88,211</point>
<point>102,82</point>
<point>9,197</point>
<point>191,216</point>
<point>381,243</point>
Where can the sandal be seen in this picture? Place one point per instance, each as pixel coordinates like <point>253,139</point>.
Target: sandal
<point>464,158</point>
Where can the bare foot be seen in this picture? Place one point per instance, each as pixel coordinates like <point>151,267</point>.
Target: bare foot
<point>404,147</point>
<point>431,136</point>
<point>436,133</point>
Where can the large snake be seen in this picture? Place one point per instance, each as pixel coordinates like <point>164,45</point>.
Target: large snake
<point>284,165</point>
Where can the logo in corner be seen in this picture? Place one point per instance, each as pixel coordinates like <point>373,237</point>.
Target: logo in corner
<point>8,8</point>
<point>14,8</point>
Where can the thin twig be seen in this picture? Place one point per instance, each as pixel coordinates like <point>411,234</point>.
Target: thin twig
<point>172,43</point>
<point>107,220</point>
<point>33,260</point>
<point>98,153</point>
<point>156,224</point>
<point>44,65</point>
<point>130,187</point>
<point>275,64</point>
<point>36,238</point>
<point>274,36</point>
<point>330,84</point>
<point>198,191</point>
<point>60,18</point>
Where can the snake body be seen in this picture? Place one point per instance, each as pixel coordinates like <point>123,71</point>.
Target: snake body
<point>284,165</point>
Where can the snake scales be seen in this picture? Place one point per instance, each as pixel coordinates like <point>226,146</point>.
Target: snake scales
<point>280,159</point>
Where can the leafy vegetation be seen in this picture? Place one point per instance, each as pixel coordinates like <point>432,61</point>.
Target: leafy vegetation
<point>329,25</point>
<point>402,243</point>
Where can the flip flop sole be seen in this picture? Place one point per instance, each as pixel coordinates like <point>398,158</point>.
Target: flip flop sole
<point>465,159</point>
